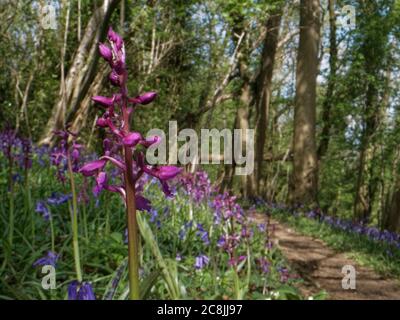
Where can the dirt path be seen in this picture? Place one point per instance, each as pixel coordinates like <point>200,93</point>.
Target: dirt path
<point>321,267</point>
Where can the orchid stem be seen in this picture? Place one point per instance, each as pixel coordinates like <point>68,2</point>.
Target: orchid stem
<point>75,238</point>
<point>237,284</point>
<point>133,236</point>
<point>132,225</point>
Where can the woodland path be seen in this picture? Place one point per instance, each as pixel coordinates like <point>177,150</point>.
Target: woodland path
<point>321,267</point>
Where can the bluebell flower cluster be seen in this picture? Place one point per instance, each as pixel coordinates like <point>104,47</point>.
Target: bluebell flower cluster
<point>372,233</point>
<point>17,151</point>
<point>346,225</point>
<point>56,199</point>
<point>197,186</point>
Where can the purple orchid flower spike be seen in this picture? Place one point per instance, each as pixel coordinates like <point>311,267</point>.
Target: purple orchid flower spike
<point>120,150</point>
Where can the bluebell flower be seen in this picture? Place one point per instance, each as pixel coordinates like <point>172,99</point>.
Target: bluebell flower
<point>126,236</point>
<point>263,265</point>
<point>201,261</point>
<point>154,218</point>
<point>17,177</point>
<point>262,227</point>
<point>153,215</point>
<point>188,224</point>
<point>221,242</point>
<point>312,214</point>
<point>42,208</point>
<point>42,154</point>
<point>205,238</point>
<point>80,291</point>
<point>49,259</point>
<point>284,273</point>
<point>203,234</point>
<point>58,198</point>
<point>166,211</point>
<point>182,234</point>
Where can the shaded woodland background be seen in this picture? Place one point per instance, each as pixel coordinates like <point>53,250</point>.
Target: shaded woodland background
<point>322,96</point>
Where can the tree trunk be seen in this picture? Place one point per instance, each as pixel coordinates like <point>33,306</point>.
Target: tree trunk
<point>305,172</point>
<point>263,97</point>
<point>393,210</point>
<point>374,106</point>
<point>328,101</point>
<point>242,123</point>
<point>82,71</point>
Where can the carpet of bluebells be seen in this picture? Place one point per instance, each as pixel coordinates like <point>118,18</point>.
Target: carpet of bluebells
<point>372,246</point>
<point>194,244</point>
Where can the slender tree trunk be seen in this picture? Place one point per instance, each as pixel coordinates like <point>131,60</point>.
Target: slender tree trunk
<point>122,15</point>
<point>82,71</point>
<point>305,168</point>
<point>393,209</point>
<point>244,96</point>
<point>374,106</point>
<point>263,97</point>
<point>242,123</point>
<point>24,105</point>
<point>79,32</point>
<point>63,93</point>
<point>328,101</point>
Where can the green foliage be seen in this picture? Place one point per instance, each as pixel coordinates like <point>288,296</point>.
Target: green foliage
<point>103,251</point>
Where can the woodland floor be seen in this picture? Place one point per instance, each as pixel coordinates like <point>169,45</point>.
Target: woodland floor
<point>320,267</point>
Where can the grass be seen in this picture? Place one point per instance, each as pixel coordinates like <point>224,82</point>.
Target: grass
<point>103,250</point>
